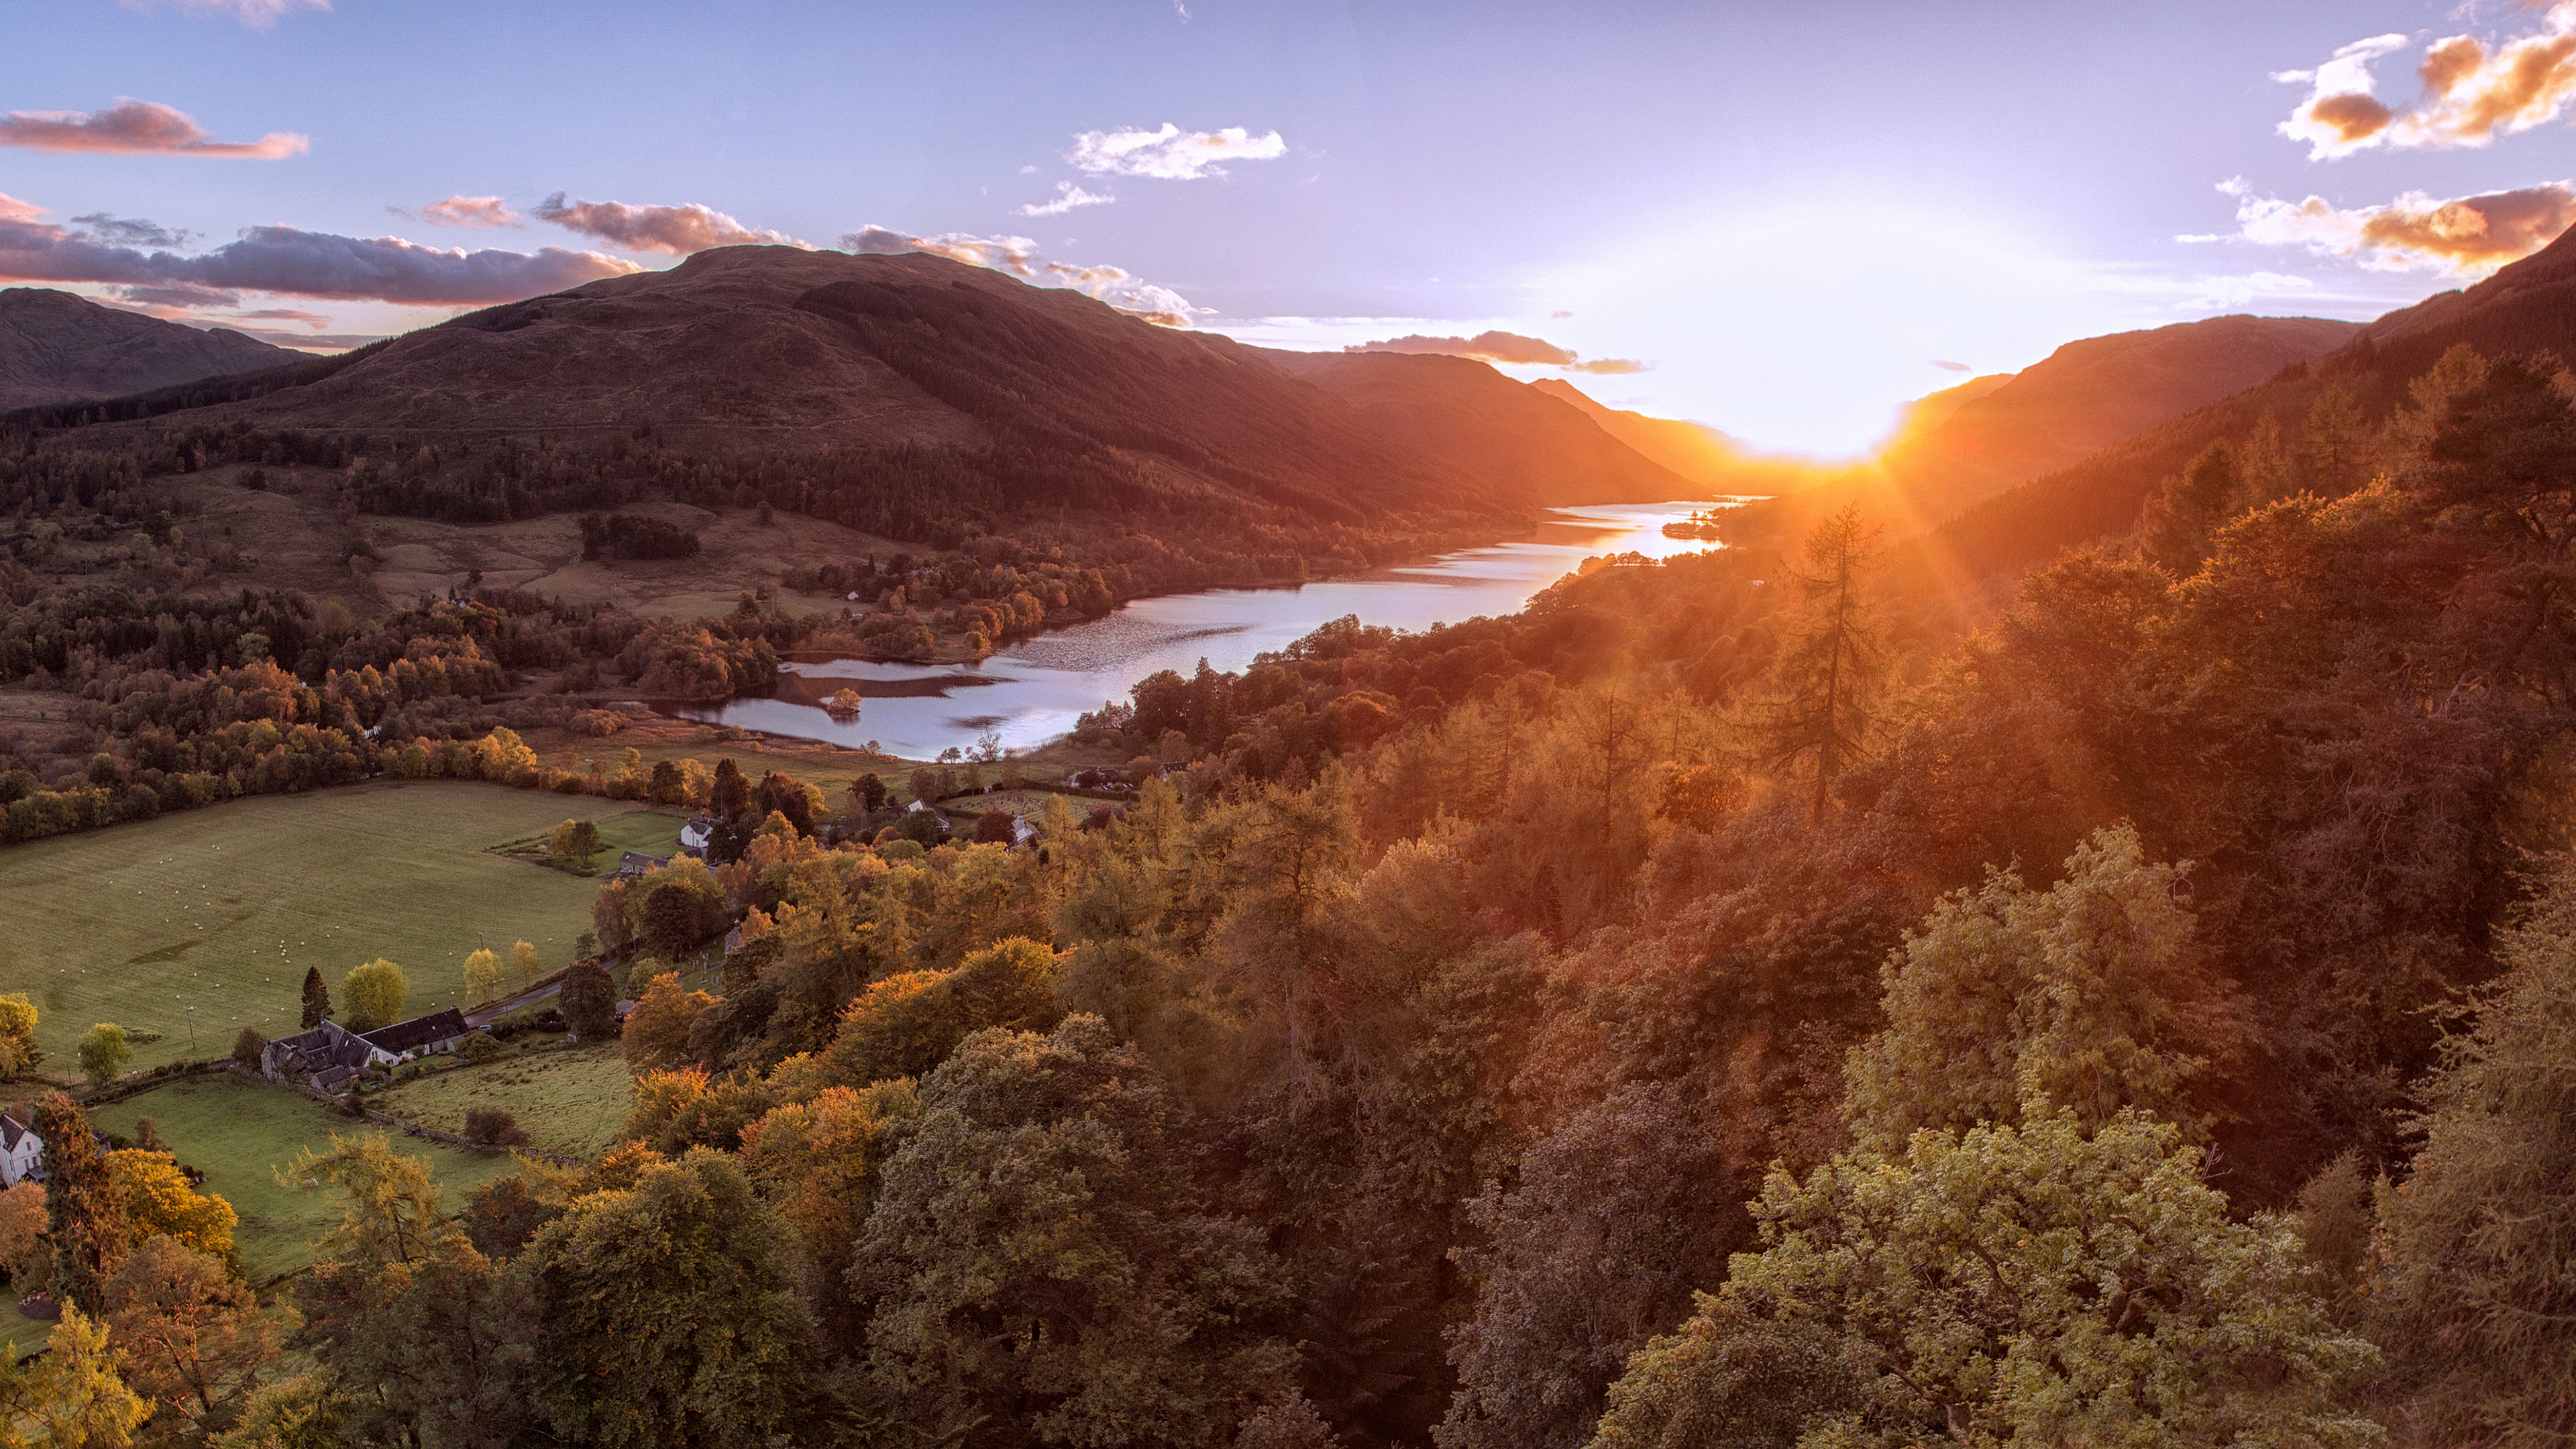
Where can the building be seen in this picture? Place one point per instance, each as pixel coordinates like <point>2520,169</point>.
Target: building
<point>695,835</point>
<point>635,862</point>
<point>22,1152</point>
<point>330,1055</point>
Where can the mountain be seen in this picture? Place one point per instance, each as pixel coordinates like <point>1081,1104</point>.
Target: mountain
<point>1933,409</point>
<point>1512,433</point>
<point>1054,397</point>
<point>2084,397</point>
<point>1717,463</point>
<point>2528,307</point>
<point>55,347</point>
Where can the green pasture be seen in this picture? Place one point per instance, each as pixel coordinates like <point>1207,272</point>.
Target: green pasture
<point>238,1132</point>
<point>654,832</point>
<point>222,909</point>
<point>570,1102</point>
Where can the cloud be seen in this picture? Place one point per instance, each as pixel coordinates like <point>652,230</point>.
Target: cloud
<point>1510,347</point>
<point>465,211</point>
<point>12,209</point>
<point>314,320</point>
<point>1560,313</point>
<point>128,232</point>
<point>2469,236</point>
<point>2473,90</point>
<point>137,128</point>
<point>1067,197</point>
<point>1946,365</point>
<point>289,262</point>
<point>1170,154</point>
<point>1018,255</point>
<point>257,14</point>
<point>671,230</point>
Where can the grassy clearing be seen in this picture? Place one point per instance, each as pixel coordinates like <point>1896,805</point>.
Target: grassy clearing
<point>222,909</point>
<point>654,832</point>
<point>237,1132</point>
<point>570,1102</point>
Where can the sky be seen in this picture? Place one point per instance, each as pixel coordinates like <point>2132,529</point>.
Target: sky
<point>1782,221</point>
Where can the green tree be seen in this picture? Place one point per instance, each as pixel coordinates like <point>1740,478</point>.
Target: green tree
<point>103,1052</point>
<point>82,1214</point>
<point>2476,1312</point>
<point>588,1001</point>
<point>2181,521</point>
<point>482,975</point>
<point>440,1344</point>
<point>317,998</point>
<point>248,1048</point>
<point>573,843</point>
<point>1832,663</point>
<point>667,1312</point>
<point>19,1053</point>
<point>2090,996</point>
<point>304,1411</point>
<point>1041,1262</point>
<point>2051,1283</point>
<point>389,1204</point>
<point>375,993</point>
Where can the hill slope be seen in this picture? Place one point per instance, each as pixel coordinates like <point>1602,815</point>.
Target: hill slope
<point>1051,398</point>
<point>1696,451</point>
<point>2527,307</point>
<point>55,347</point>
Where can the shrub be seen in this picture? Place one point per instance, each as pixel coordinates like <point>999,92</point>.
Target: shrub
<point>482,1046</point>
<point>493,1127</point>
<point>248,1047</point>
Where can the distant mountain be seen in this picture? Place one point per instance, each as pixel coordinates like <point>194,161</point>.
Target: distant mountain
<point>1933,409</point>
<point>1696,451</point>
<point>1057,398</point>
<point>2528,307</point>
<point>55,347</point>
<point>1513,434</point>
<point>2084,397</point>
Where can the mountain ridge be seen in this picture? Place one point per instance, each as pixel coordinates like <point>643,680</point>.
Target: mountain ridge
<point>59,348</point>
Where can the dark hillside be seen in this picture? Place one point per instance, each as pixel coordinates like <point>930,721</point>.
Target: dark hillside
<point>57,348</point>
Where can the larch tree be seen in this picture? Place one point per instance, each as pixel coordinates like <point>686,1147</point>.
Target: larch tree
<point>82,1214</point>
<point>1833,662</point>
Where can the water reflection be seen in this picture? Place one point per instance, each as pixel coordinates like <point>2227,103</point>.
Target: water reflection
<point>1032,693</point>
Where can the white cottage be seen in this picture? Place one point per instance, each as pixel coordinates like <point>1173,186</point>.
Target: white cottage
<point>22,1152</point>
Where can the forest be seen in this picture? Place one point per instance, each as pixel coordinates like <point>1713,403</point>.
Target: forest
<point>1718,1005</point>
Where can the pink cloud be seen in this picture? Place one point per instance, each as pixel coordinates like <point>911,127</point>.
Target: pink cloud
<point>257,14</point>
<point>464,211</point>
<point>2474,90</point>
<point>671,230</point>
<point>2468,236</point>
<point>290,262</point>
<point>1509,347</point>
<point>137,128</point>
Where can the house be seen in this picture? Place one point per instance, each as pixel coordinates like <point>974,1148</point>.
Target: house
<point>22,1153</point>
<point>635,862</point>
<point>1022,832</point>
<point>695,835</point>
<point>329,1055</point>
<point>329,1049</point>
<point>439,1031</point>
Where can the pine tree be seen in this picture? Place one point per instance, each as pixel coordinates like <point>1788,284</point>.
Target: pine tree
<point>317,998</point>
<point>1831,668</point>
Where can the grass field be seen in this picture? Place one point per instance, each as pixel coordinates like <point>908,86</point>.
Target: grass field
<point>237,1132</point>
<point>654,832</point>
<point>570,1102</point>
<point>222,909</point>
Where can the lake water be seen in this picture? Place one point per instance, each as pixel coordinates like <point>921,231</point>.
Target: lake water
<point>1032,693</point>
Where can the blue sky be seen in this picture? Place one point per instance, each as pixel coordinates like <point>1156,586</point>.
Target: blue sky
<point>1785,216</point>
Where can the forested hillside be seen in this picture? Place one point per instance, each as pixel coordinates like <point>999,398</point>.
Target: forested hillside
<point>1705,1007</point>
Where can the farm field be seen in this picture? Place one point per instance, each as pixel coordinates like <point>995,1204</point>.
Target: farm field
<point>570,1102</point>
<point>237,1132</point>
<point>621,828</point>
<point>222,909</point>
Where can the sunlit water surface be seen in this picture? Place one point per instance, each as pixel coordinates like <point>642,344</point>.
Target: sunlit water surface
<point>1032,693</point>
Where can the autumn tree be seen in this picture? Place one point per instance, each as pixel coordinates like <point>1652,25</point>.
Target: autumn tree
<point>525,967</point>
<point>248,1048</point>
<point>188,1332</point>
<point>666,1313</point>
<point>103,1052</point>
<point>374,993</point>
<point>301,1411</point>
<point>1830,668</point>
<point>2183,519</point>
<point>818,1162</point>
<point>75,1394</point>
<point>573,843</point>
<point>82,1214</point>
<point>389,1204</point>
<point>656,1037</point>
<point>157,1200</point>
<point>19,1053</point>
<point>24,1254</point>
<point>482,975</point>
<point>317,998</point>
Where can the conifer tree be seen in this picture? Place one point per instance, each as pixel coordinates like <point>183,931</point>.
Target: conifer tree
<point>1831,667</point>
<point>82,1213</point>
<point>317,998</point>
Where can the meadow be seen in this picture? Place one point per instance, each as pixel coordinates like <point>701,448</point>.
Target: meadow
<point>239,1132</point>
<point>222,909</point>
<point>570,1102</point>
